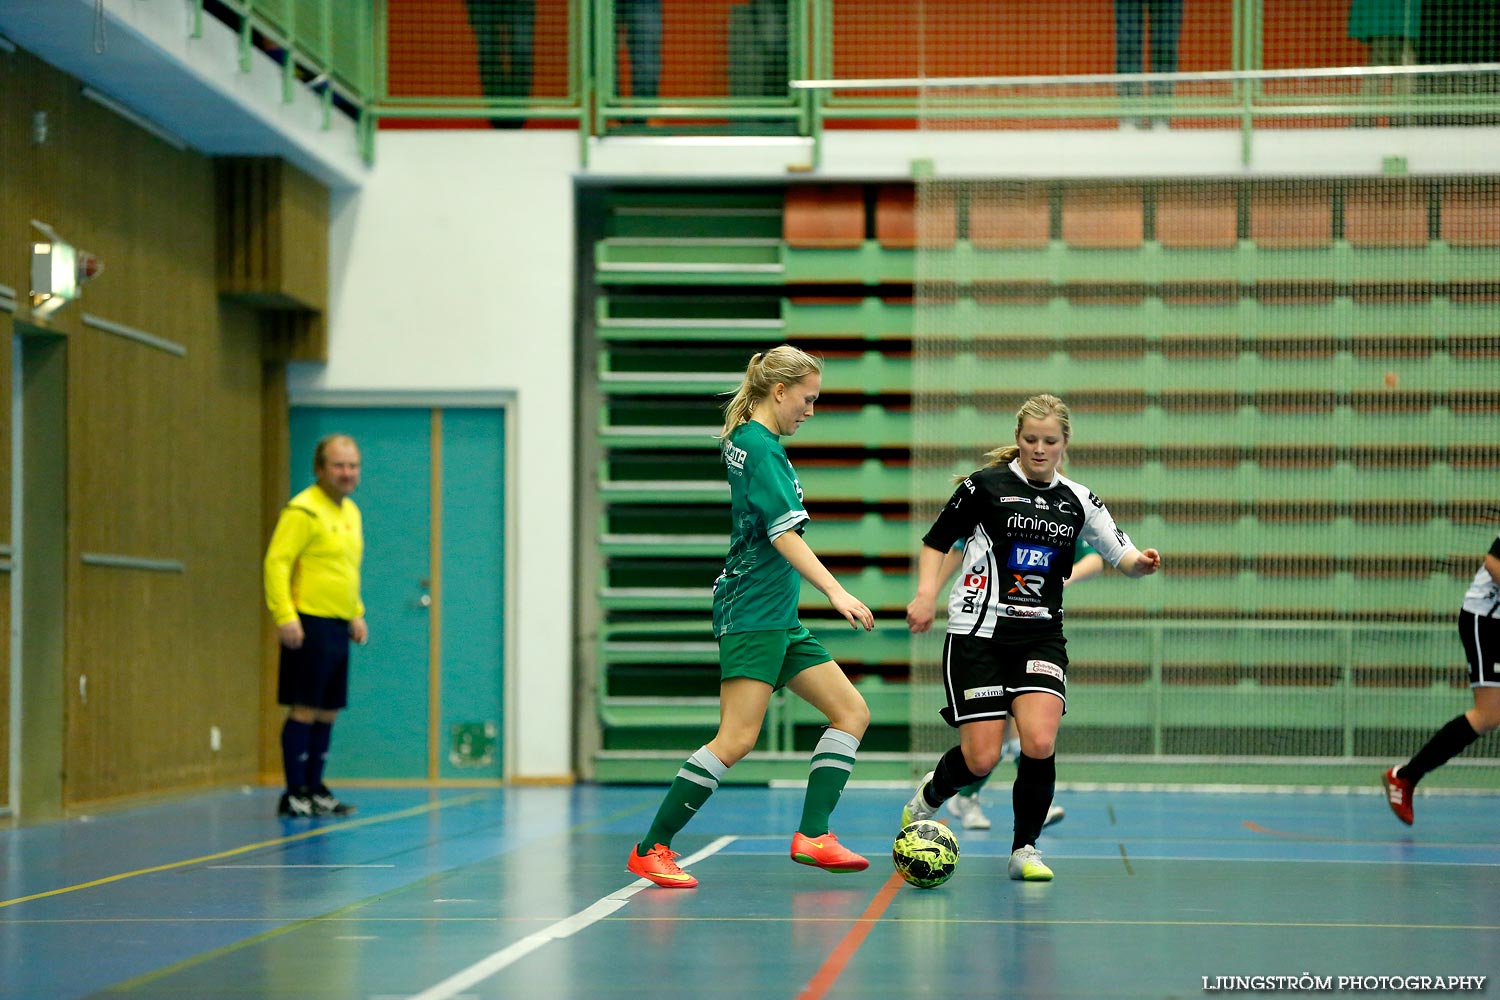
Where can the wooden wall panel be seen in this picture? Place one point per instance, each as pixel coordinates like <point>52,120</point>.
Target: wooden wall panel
<point>276,487</point>
<point>7,541</point>
<point>35,106</point>
<point>30,95</point>
<point>165,451</point>
<point>272,252</point>
<point>272,247</point>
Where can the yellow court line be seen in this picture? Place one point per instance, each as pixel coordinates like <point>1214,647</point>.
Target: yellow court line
<point>245,849</point>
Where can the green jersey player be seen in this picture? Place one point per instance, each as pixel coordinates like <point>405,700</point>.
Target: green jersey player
<point>762,644</point>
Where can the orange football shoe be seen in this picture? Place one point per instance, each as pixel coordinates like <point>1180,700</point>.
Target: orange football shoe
<point>659,865</point>
<point>827,853</point>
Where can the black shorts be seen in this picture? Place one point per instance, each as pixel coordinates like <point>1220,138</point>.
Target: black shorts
<point>981,676</point>
<point>1481,638</point>
<point>317,674</point>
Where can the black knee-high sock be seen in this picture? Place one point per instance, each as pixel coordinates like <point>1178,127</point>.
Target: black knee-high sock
<point>295,737</point>
<point>951,774</point>
<point>1447,743</point>
<point>1031,795</point>
<point>317,753</point>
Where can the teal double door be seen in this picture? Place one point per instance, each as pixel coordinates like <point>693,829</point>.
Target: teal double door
<point>427,692</point>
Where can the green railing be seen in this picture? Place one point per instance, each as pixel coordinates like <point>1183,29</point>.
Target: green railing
<point>360,58</point>
<point>726,85</point>
<point>327,46</point>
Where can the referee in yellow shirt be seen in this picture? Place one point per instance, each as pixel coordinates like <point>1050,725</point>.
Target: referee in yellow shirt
<point>312,589</point>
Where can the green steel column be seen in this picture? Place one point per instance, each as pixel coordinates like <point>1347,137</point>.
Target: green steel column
<point>798,37</point>
<point>604,63</point>
<point>246,41</point>
<point>366,127</point>
<point>1249,53</point>
<point>381,88</point>
<point>822,56</point>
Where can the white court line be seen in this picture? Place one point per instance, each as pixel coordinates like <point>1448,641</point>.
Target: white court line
<point>567,927</point>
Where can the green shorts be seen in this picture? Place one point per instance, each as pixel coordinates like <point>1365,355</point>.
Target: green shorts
<point>774,657</point>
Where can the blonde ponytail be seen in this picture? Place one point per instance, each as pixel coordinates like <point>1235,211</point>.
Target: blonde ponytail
<point>780,364</point>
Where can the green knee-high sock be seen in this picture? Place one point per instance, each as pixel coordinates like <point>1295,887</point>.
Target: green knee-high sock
<point>695,782</point>
<point>832,762</point>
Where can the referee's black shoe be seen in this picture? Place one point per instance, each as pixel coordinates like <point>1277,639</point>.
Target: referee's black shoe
<point>325,803</point>
<point>294,805</point>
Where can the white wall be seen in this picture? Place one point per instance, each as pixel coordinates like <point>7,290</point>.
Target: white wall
<point>1056,153</point>
<point>452,271</point>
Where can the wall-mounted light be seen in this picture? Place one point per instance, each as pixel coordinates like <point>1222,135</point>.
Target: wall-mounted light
<point>58,271</point>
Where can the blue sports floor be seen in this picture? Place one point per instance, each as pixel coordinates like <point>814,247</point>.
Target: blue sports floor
<point>522,892</point>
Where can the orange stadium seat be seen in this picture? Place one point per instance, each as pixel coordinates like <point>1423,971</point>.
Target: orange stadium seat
<point>896,216</point>
<point>1471,215</point>
<point>1012,218</point>
<point>1386,213</point>
<point>1103,216</point>
<point>824,216</point>
<point>1197,217</point>
<point>899,226</point>
<point>1291,217</point>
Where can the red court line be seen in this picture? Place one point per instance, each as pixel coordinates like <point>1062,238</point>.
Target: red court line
<point>825,977</point>
<point>1250,824</point>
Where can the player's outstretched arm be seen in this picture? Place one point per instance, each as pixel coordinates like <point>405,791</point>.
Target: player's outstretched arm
<point>1140,562</point>
<point>806,562</point>
<point>1089,566</point>
<point>933,567</point>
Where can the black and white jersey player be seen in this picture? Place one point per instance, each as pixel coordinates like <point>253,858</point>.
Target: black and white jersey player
<point>1018,548</point>
<point>1479,630</point>
<point>1004,655</point>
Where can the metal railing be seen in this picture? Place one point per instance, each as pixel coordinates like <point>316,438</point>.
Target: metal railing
<point>601,96</point>
<point>328,47</point>
<point>1348,677</point>
<point>342,51</point>
<point>1243,102</point>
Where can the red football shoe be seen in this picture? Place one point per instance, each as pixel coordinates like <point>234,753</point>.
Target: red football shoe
<point>1398,793</point>
<point>827,853</point>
